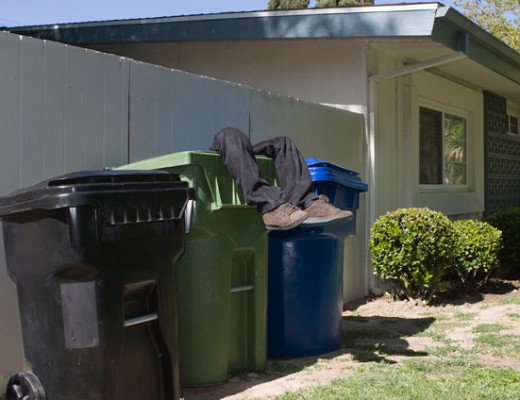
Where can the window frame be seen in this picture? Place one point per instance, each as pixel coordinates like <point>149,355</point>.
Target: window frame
<point>458,112</point>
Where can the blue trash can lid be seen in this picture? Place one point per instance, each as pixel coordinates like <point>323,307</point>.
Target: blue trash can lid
<point>325,171</point>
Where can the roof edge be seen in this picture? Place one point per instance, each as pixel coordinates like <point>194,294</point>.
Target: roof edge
<point>233,15</point>
<point>454,30</point>
<point>415,20</point>
<point>433,20</point>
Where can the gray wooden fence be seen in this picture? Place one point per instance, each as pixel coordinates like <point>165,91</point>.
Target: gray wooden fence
<point>64,108</point>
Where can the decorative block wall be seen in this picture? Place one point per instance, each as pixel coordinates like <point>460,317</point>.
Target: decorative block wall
<point>502,157</point>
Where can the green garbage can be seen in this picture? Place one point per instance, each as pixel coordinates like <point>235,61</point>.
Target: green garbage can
<point>222,277</point>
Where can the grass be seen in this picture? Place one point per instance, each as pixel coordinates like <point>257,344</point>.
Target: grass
<point>465,316</point>
<point>487,328</point>
<point>419,380</point>
<point>499,345</point>
<point>383,366</point>
<point>510,300</point>
<point>514,316</point>
<point>446,370</point>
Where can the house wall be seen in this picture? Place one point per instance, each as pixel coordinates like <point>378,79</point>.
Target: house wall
<point>397,145</point>
<point>464,202</point>
<point>322,71</point>
<point>388,118</point>
<point>64,108</point>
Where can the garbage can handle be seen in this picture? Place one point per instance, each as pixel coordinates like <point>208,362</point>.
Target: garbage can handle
<point>188,212</point>
<point>141,320</point>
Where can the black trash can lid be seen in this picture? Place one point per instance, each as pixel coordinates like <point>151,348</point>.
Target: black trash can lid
<point>106,190</point>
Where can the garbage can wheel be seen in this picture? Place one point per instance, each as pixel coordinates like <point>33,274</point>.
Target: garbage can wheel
<point>25,386</point>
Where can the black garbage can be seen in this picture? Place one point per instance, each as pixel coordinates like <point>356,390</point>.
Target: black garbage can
<point>91,255</point>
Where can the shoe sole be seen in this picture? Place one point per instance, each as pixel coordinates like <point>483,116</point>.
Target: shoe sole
<point>319,220</point>
<point>285,228</point>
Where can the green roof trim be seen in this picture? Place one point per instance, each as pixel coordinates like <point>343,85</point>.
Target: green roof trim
<point>374,21</point>
<point>440,23</point>
<point>457,32</point>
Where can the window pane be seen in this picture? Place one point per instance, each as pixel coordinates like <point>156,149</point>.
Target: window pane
<point>430,143</point>
<point>454,150</point>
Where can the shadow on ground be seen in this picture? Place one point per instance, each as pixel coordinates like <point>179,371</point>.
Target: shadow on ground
<point>494,287</point>
<point>366,339</point>
<point>375,339</point>
<point>275,369</point>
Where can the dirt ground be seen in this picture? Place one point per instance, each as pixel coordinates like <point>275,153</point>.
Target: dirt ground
<point>405,329</point>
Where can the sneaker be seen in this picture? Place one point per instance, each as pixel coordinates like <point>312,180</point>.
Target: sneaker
<point>285,216</point>
<point>322,211</point>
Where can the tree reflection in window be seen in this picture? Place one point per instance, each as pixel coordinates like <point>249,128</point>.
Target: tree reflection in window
<point>442,153</point>
<point>454,150</point>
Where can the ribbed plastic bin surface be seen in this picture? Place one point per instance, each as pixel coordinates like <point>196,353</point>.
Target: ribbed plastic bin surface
<point>91,255</point>
<point>222,278</point>
<point>305,289</point>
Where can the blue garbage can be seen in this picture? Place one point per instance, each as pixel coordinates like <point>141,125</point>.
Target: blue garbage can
<point>305,272</point>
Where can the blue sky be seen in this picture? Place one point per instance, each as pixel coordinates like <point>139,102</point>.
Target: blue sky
<point>37,12</point>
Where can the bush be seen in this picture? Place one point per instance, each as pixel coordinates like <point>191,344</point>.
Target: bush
<point>508,221</point>
<point>413,247</point>
<point>475,252</point>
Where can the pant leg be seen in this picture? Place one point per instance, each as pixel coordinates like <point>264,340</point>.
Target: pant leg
<point>291,169</point>
<point>238,157</point>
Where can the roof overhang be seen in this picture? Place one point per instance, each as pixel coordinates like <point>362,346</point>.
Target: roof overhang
<point>346,22</point>
<point>442,28</point>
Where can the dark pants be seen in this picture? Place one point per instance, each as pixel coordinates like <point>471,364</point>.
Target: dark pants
<point>238,156</point>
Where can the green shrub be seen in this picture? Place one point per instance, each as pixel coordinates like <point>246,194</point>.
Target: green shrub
<point>476,251</point>
<point>508,221</point>
<point>413,248</point>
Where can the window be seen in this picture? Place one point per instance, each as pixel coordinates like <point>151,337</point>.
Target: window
<point>442,141</point>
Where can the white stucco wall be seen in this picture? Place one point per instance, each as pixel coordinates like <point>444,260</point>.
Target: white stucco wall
<point>398,176</point>
<point>397,144</point>
<point>322,71</point>
<point>429,87</point>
